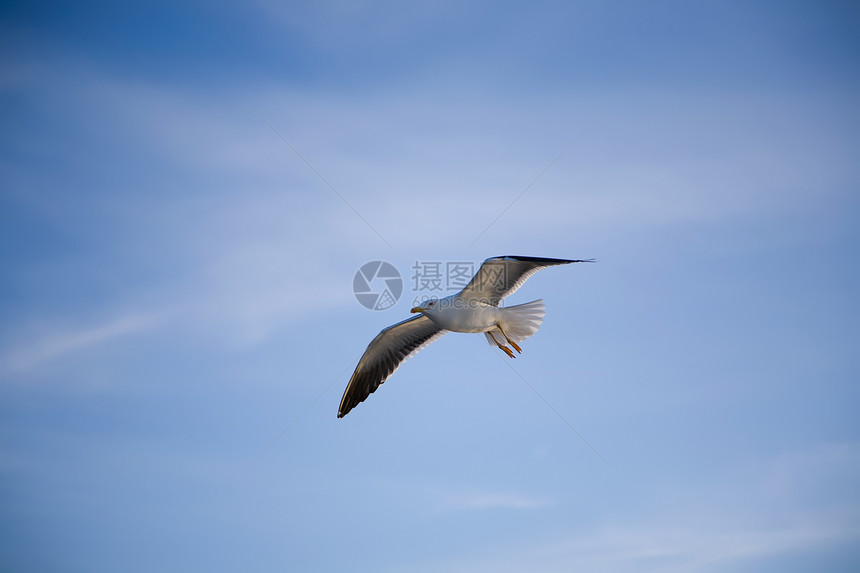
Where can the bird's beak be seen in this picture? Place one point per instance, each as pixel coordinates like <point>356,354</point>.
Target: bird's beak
<point>417,309</point>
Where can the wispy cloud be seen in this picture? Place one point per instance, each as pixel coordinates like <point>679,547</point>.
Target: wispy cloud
<point>57,342</point>
<point>386,157</point>
<point>476,500</point>
<point>662,549</point>
<point>709,527</point>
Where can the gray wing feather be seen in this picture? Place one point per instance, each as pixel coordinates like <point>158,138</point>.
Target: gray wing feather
<point>499,277</point>
<point>384,355</point>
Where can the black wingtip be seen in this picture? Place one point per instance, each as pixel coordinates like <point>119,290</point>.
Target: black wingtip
<point>544,260</point>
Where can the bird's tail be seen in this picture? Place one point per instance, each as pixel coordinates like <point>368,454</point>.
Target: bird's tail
<point>519,322</point>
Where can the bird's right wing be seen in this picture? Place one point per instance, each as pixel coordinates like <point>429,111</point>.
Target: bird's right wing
<point>384,355</point>
<point>499,277</point>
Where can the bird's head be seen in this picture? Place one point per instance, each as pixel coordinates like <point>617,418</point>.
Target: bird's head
<point>427,306</point>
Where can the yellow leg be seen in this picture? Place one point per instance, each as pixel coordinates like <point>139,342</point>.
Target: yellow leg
<point>508,338</point>
<point>507,351</point>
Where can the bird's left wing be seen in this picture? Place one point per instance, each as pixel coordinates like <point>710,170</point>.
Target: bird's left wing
<point>384,355</point>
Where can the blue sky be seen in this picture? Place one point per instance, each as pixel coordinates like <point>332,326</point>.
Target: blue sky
<point>176,286</point>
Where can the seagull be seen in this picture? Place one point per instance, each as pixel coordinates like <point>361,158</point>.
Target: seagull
<point>473,309</point>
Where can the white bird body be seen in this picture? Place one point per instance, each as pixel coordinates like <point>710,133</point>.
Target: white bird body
<point>458,314</point>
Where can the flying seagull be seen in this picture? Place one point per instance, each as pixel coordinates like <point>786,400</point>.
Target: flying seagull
<point>473,309</point>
